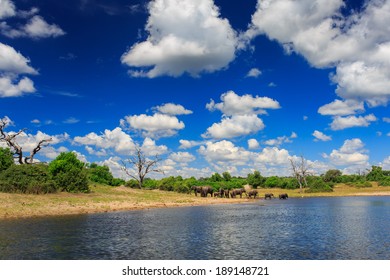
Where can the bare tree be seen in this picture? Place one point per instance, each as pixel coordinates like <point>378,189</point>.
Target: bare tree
<point>142,165</point>
<point>17,150</point>
<point>300,170</point>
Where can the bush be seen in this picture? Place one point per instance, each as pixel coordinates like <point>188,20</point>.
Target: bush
<point>319,185</point>
<point>6,158</point>
<point>27,178</point>
<point>273,182</point>
<point>363,184</point>
<point>69,174</point>
<point>385,182</point>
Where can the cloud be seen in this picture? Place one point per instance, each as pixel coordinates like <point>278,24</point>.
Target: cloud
<point>231,127</point>
<point>187,144</point>
<point>385,163</point>
<point>7,9</point>
<point>182,157</point>
<point>357,44</point>
<point>387,120</point>
<point>71,120</point>
<point>321,136</point>
<point>14,62</point>
<point>172,109</point>
<point>115,139</point>
<point>233,104</point>
<point>36,28</point>
<point>342,108</point>
<point>15,88</point>
<point>281,140</point>
<point>156,126</point>
<point>253,144</point>
<point>254,73</point>
<point>171,50</point>
<point>12,65</point>
<point>340,123</point>
<point>224,153</point>
<point>351,153</point>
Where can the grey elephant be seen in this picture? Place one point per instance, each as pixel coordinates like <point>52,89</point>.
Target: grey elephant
<point>283,196</point>
<point>196,190</point>
<point>253,193</point>
<point>236,192</point>
<point>205,190</point>
<point>269,195</point>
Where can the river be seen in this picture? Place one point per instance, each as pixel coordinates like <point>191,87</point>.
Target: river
<point>298,228</point>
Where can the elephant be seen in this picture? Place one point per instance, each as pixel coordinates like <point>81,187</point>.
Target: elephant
<point>236,192</point>
<point>226,193</point>
<point>269,195</point>
<point>283,196</point>
<point>252,193</point>
<point>197,190</point>
<point>206,190</point>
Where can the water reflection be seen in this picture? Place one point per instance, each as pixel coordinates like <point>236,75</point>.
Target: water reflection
<point>315,228</point>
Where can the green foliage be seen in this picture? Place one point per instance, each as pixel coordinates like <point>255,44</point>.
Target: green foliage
<point>375,174</point>
<point>273,182</point>
<point>362,184</point>
<point>103,175</point>
<point>318,185</point>
<point>255,179</point>
<point>385,182</point>
<point>68,173</point>
<point>27,178</point>
<point>149,184</point>
<point>333,175</point>
<point>132,183</point>
<point>226,176</point>
<point>6,158</point>
<point>290,183</point>
<point>216,177</point>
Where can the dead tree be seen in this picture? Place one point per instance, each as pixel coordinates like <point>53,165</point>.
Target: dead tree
<point>16,149</point>
<point>142,166</point>
<point>300,170</point>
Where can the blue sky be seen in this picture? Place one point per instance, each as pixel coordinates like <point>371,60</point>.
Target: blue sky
<point>210,86</point>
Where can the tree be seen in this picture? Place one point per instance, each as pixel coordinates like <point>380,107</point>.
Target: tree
<point>255,179</point>
<point>333,175</point>
<point>216,177</point>
<point>300,170</point>
<point>142,165</point>
<point>226,176</point>
<point>100,174</point>
<point>376,174</point>
<point>6,158</point>
<point>16,149</point>
<point>68,173</point>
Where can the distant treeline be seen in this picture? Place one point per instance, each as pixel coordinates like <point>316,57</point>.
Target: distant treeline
<point>67,173</point>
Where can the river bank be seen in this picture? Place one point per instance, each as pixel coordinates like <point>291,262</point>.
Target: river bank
<point>107,199</point>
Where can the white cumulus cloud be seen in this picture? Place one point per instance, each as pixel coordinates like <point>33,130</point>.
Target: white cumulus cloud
<point>172,109</point>
<point>172,50</point>
<point>340,123</point>
<point>320,136</point>
<point>351,153</point>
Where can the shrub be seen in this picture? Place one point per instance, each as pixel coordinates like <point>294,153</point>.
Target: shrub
<point>6,158</point>
<point>27,178</point>
<point>385,182</point>
<point>319,185</point>
<point>68,173</point>
<point>361,184</point>
<point>273,182</point>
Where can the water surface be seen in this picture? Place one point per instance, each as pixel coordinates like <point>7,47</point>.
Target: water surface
<point>307,228</point>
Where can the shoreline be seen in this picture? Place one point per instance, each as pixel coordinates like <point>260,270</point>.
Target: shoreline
<point>114,199</point>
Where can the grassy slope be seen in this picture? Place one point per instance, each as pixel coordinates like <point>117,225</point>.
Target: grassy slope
<point>104,199</point>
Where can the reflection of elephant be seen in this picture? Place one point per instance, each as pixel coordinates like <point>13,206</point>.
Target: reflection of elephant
<point>283,196</point>
<point>206,190</point>
<point>269,195</point>
<point>236,192</point>
<point>252,193</point>
<point>196,189</point>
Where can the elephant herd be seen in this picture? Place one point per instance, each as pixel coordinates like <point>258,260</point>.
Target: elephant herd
<point>225,193</point>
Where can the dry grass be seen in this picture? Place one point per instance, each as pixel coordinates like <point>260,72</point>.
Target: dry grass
<point>104,199</point>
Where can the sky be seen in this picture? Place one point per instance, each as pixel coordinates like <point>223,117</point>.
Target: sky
<point>207,85</point>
